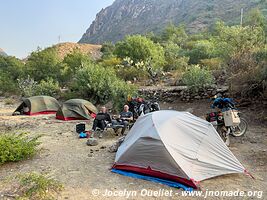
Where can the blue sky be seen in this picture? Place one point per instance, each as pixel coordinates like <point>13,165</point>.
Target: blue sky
<point>27,24</point>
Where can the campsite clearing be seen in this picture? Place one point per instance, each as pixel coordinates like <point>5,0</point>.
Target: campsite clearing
<point>82,169</point>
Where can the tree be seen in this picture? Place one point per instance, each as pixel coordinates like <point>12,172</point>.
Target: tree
<point>107,49</point>
<point>237,40</point>
<point>174,34</point>
<point>11,66</point>
<point>201,49</point>
<point>11,69</point>
<point>72,62</point>
<point>140,48</point>
<point>256,18</point>
<point>174,58</point>
<point>45,64</point>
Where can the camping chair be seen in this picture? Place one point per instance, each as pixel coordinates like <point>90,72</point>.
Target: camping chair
<point>116,127</point>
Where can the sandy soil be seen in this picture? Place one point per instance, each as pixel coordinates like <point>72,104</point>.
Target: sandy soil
<point>82,168</point>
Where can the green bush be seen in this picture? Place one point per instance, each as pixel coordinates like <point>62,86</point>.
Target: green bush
<point>141,49</point>
<point>47,87</point>
<point>72,62</point>
<point>11,66</point>
<point>131,73</point>
<point>44,64</point>
<point>37,186</point>
<point>111,62</point>
<point>174,60</point>
<point>108,50</point>
<point>212,63</point>
<point>197,78</point>
<point>100,85</point>
<point>7,84</point>
<point>16,147</point>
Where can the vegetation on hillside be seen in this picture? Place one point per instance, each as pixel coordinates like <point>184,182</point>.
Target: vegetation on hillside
<point>129,17</point>
<point>238,52</point>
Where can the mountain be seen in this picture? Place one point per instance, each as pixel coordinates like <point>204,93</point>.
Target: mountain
<point>125,17</point>
<point>2,53</point>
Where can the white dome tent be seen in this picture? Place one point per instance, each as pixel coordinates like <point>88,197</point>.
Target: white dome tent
<point>176,146</point>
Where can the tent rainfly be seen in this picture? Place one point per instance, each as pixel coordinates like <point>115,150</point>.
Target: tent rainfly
<point>38,105</point>
<point>176,146</point>
<point>76,109</point>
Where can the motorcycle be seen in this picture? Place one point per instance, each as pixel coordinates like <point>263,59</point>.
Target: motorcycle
<point>224,127</point>
<point>148,107</point>
<point>139,106</point>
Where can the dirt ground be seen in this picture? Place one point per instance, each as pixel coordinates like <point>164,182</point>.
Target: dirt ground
<point>85,170</point>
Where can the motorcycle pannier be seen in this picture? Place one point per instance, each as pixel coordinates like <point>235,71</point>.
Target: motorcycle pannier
<point>231,118</point>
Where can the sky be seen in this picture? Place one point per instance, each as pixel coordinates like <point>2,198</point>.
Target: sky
<point>28,24</point>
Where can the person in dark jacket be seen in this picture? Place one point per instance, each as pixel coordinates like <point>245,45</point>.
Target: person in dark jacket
<point>101,119</point>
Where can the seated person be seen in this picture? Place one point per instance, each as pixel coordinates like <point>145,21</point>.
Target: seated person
<point>101,119</point>
<point>124,118</point>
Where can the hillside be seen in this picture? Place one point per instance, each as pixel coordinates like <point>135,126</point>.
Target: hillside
<point>140,16</point>
<point>2,53</point>
<point>65,48</point>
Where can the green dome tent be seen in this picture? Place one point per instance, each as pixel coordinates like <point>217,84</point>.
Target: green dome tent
<point>76,109</point>
<point>38,105</point>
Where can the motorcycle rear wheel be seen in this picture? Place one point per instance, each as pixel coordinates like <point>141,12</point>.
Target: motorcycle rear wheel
<point>241,129</point>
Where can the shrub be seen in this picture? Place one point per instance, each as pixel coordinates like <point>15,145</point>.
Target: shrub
<point>37,186</point>
<point>202,49</point>
<point>7,84</point>
<point>196,78</point>
<point>47,87</point>
<point>107,49</point>
<point>131,73</point>
<point>27,86</point>
<point>72,62</point>
<point>15,147</point>
<point>100,85</point>
<point>212,63</point>
<point>11,66</point>
<point>174,58</point>
<point>140,48</point>
<point>44,64</point>
<point>111,62</point>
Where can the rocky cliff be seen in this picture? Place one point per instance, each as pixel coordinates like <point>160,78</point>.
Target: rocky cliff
<point>140,16</point>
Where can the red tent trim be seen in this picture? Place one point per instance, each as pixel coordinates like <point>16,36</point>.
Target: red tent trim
<point>150,172</point>
<point>70,118</point>
<point>47,112</point>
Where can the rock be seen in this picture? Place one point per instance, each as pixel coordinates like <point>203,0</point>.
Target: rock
<point>92,142</point>
<point>197,97</point>
<point>114,147</point>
